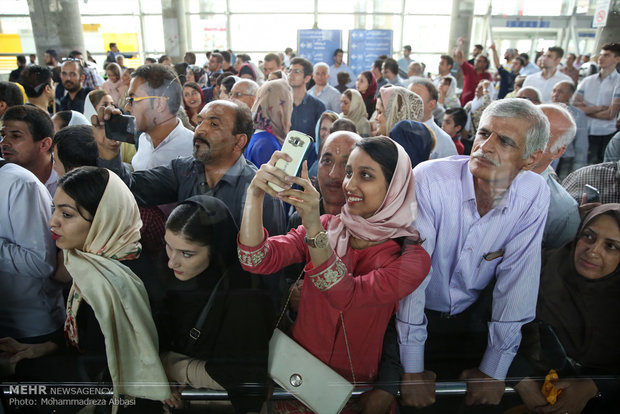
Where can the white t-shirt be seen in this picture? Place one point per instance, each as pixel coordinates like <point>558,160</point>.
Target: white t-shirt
<point>545,86</point>
<point>597,92</point>
<point>179,143</point>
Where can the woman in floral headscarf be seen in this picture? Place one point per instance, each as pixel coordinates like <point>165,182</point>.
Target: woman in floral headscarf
<point>396,104</point>
<point>272,120</point>
<point>353,108</point>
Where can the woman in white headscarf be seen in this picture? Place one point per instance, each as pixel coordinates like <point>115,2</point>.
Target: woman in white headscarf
<point>353,107</point>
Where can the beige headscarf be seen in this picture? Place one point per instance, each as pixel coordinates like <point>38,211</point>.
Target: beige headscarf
<point>401,104</point>
<point>273,108</point>
<point>117,296</point>
<point>357,112</point>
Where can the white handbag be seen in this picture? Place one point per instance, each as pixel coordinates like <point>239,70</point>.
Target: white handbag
<point>305,376</point>
<point>308,379</point>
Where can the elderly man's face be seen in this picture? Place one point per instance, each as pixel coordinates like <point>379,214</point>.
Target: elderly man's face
<point>320,76</point>
<point>561,93</point>
<point>332,163</point>
<point>497,153</point>
<point>528,94</point>
<point>239,92</point>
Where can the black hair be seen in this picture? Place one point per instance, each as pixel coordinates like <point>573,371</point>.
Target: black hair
<point>343,78</point>
<point>342,124</point>
<point>218,56</point>
<point>34,79</point>
<point>76,146</point>
<point>459,116</point>
<point>559,52</point>
<point>378,64</point>
<point>10,94</point>
<point>525,56</point>
<point>149,60</point>
<point>112,44</point>
<point>270,57</point>
<point>206,220</point>
<point>52,53</point>
<point>305,63</point>
<point>448,59</point>
<point>226,55</point>
<point>407,47</point>
<point>243,122</point>
<point>391,65</point>
<point>338,51</point>
<point>85,185</point>
<point>65,117</point>
<point>74,53</point>
<point>383,151</point>
<point>190,57</point>
<point>39,122</point>
<point>229,82</point>
<point>244,57</point>
<point>612,47</point>
<point>161,80</point>
<point>21,59</point>
<point>76,62</point>
<point>162,58</point>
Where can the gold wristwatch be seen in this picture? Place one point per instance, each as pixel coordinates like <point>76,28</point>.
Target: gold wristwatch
<point>319,241</point>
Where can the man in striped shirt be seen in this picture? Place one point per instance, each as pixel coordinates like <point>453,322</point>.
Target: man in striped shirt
<point>481,219</point>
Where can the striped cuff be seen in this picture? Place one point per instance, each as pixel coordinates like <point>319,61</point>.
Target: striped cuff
<point>330,276</point>
<point>252,258</point>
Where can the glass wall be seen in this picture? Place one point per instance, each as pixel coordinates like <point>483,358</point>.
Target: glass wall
<point>257,27</point>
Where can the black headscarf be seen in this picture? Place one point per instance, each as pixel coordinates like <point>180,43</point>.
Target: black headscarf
<point>584,313</point>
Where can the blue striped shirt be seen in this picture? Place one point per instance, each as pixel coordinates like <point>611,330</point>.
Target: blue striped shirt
<point>468,251</point>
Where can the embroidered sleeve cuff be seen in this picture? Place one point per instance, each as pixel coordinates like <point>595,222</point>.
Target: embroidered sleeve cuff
<point>496,363</point>
<point>328,274</point>
<point>252,256</point>
<point>412,358</point>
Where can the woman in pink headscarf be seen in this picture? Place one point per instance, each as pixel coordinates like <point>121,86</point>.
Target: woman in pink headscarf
<point>359,263</point>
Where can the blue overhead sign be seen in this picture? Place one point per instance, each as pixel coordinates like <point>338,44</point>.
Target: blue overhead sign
<point>318,45</point>
<point>366,45</point>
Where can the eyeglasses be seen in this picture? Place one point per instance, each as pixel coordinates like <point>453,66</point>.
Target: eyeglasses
<point>132,99</point>
<point>296,71</point>
<point>239,94</point>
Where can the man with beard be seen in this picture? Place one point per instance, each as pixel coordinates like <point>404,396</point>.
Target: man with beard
<point>217,168</point>
<point>72,76</point>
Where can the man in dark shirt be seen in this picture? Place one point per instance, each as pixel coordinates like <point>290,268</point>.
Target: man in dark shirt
<point>72,76</point>
<point>507,81</point>
<point>306,108</point>
<point>21,64</point>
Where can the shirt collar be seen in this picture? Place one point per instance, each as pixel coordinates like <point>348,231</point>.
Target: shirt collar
<point>469,192</point>
<point>234,172</point>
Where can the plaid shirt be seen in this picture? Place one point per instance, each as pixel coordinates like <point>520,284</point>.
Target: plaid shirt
<point>605,177</point>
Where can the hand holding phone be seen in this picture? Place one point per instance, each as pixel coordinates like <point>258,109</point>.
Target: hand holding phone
<point>121,128</point>
<point>296,145</point>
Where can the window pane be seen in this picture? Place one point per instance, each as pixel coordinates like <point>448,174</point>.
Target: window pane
<point>245,6</point>
<point>109,7</point>
<point>421,33</point>
<point>16,37</point>
<point>428,7</point>
<point>277,32</point>
<point>206,6</point>
<point>17,7</point>
<point>154,35</point>
<point>208,32</point>
<point>150,6</point>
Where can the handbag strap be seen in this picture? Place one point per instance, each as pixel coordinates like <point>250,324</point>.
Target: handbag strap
<point>195,332</point>
<point>344,331</point>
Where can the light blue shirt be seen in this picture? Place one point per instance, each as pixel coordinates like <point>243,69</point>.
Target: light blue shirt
<point>30,302</point>
<point>468,251</point>
<point>578,148</point>
<point>563,218</point>
<point>329,95</point>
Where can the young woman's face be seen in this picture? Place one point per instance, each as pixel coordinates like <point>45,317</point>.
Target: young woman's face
<point>364,184</point>
<point>345,104</point>
<point>112,76</point>
<point>191,97</point>
<point>69,227</point>
<point>186,258</point>
<point>444,87</point>
<point>105,102</point>
<point>361,83</point>
<point>597,252</point>
<point>126,78</point>
<point>380,119</point>
<point>189,76</point>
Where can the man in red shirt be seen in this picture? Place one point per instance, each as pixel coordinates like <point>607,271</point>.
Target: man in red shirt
<point>472,74</point>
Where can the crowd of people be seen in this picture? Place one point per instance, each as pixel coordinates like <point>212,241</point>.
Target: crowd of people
<point>441,228</point>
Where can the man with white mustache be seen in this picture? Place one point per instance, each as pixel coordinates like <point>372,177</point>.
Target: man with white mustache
<point>481,219</point>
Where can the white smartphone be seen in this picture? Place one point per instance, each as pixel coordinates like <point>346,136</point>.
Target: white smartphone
<point>296,145</point>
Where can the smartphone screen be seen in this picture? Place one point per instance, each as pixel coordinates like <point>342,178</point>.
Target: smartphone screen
<point>592,194</point>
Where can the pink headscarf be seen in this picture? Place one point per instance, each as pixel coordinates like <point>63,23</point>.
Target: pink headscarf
<point>385,93</point>
<point>391,220</point>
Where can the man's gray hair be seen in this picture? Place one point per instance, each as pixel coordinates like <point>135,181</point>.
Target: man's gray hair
<point>537,135</point>
<point>532,89</point>
<point>570,132</point>
<point>251,88</point>
<point>321,65</point>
